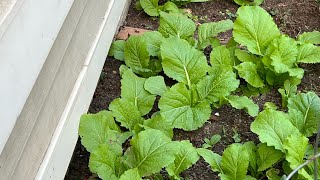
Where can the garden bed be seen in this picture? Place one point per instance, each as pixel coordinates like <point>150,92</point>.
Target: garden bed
<point>293,17</point>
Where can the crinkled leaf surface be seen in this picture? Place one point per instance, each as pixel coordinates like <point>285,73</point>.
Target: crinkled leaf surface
<point>131,174</point>
<point>254,28</point>
<point>310,37</point>
<point>117,50</point>
<point>267,156</point>
<point>248,71</point>
<point>132,89</point>
<point>304,111</point>
<point>100,128</point>
<point>243,102</point>
<point>153,40</point>
<point>269,126</point>
<point>207,31</point>
<point>182,62</point>
<point>283,52</point>
<point>136,54</point>
<point>211,158</point>
<point>105,163</point>
<point>155,85</point>
<point>185,158</point>
<point>150,7</point>
<point>177,106</point>
<point>308,53</point>
<point>296,146</point>
<point>219,83</point>
<point>234,162</point>
<point>176,25</point>
<point>151,150</point>
<point>126,113</point>
<point>220,57</point>
<point>158,122</point>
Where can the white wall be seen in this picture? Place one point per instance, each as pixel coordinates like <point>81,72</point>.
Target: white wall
<point>25,41</point>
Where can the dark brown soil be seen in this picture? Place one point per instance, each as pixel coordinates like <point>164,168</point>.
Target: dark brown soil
<point>293,17</point>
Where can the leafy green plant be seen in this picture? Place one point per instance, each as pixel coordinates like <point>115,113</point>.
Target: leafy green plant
<point>209,143</point>
<point>248,2</point>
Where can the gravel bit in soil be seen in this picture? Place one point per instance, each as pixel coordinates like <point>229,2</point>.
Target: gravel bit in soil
<point>293,17</point>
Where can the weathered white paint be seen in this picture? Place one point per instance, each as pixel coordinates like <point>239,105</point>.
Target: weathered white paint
<point>28,29</point>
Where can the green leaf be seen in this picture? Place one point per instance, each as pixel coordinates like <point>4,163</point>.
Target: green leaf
<point>269,126</point>
<point>126,113</point>
<point>308,53</point>
<point>245,56</point>
<point>151,150</point>
<point>150,7</point>
<point>159,123</point>
<point>220,57</point>
<point>186,157</point>
<point>248,71</point>
<point>267,156</point>
<point>309,37</point>
<point>234,162</point>
<point>177,106</point>
<point>117,50</point>
<point>176,25</point>
<point>304,111</point>
<point>188,67</point>
<point>211,158</point>
<point>153,40</point>
<point>283,52</point>
<point>207,31</point>
<point>243,102</point>
<point>254,28</point>
<point>136,54</point>
<point>131,174</point>
<point>100,128</point>
<point>132,89</point>
<point>296,146</point>
<point>249,2</point>
<point>105,163</point>
<point>155,85</point>
<point>220,83</point>
<point>272,174</point>
<point>170,7</point>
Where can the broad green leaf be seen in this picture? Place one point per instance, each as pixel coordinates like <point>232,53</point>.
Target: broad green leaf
<point>234,162</point>
<point>132,89</point>
<point>155,85</point>
<point>170,7</point>
<point>250,148</point>
<point>308,53</point>
<point>243,102</point>
<point>105,163</point>
<point>158,122</point>
<point>176,25</point>
<point>289,89</point>
<point>187,67</point>
<point>269,126</point>
<point>310,37</point>
<point>296,146</point>
<point>283,52</point>
<point>100,128</point>
<point>136,54</point>
<point>177,106</point>
<point>131,174</point>
<point>267,156</point>
<point>151,150</point>
<point>211,158</point>
<point>207,31</point>
<point>150,7</point>
<point>153,40</point>
<point>126,113</point>
<point>304,111</point>
<point>249,2</point>
<point>220,57</point>
<point>117,50</point>
<point>219,83</point>
<point>186,157</point>
<point>254,28</point>
<point>248,71</point>
<point>245,56</point>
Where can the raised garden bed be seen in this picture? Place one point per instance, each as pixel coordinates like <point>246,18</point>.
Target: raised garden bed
<point>291,16</point>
